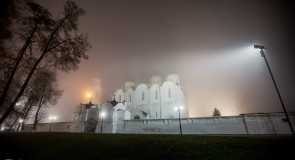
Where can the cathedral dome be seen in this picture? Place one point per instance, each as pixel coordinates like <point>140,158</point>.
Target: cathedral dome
<point>156,79</point>
<point>129,84</point>
<point>173,77</point>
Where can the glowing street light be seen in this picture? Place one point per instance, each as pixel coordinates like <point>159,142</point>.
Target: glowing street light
<point>285,111</point>
<point>102,115</point>
<point>20,125</point>
<point>178,109</point>
<point>89,96</point>
<point>52,118</point>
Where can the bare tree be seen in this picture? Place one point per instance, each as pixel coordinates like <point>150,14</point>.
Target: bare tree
<point>48,93</point>
<point>48,43</point>
<point>38,17</point>
<point>12,122</point>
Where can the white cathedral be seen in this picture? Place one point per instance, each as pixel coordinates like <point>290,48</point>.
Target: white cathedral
<point>156,100</point>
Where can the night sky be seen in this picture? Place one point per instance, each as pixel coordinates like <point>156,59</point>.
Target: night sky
<point>208,43</point>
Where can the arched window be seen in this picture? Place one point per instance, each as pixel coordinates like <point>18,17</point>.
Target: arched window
<point>129,97</point>
<point>119,98</point>
<point>169,93</point>
<point>156,94</point>
<point>142,96</point>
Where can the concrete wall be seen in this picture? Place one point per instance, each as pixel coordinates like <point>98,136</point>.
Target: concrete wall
<point>243,124</point>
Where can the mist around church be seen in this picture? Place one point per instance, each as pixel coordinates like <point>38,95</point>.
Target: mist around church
<point>146,79</point>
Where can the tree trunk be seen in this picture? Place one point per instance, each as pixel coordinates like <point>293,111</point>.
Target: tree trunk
<point>11,126</point>
<point>21,54</point>
<point>20,93</point>
<point>23,126</point>
<point>36,118</point>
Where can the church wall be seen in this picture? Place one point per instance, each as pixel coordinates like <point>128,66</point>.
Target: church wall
<point>107,127</point>
<point>182,102</point>
<point>119,95</point>
<point>172,96</point>
<point>269,123</point>
<point>129,96</point>
<point>80,114</point>
<point>155,110</point>
<point>77,127</point>
<point>155,100</point>
<point>44,127</point>
<point>108,109</point>
<point>272,123</point>
<point>154,92</point>
<point>110,126</point>
<point>141,98</point>
<point>91,119</point>
<point>244,124</point>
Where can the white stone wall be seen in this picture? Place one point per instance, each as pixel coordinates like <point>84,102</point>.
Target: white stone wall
<point>55,127</point>
<point>112,116</point>
<point>119,96</point>
<point>80,114</point>
<point>129,96</point>
<point>172,96</point>
<point>141,98</point>
<point>243,124</point>
<point>271,123</point>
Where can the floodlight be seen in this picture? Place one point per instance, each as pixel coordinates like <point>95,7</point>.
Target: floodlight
<point>259,46</point>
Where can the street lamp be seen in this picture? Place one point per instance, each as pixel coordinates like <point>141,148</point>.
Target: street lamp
<point>51,118</point>
<point>89,96</point>
<point>102,115</point>
<point>20,125</point>
<point>178,109</point>
<point>263,55</point>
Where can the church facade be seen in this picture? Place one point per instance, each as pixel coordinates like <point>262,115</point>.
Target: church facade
<point>156,100</point>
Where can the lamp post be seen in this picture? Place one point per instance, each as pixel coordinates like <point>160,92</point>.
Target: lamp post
<point>282,103</point>
<point>102,115</point>
<point>178,109</point>
<point>51,118</point>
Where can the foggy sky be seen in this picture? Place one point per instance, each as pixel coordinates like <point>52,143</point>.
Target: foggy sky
<point>208,43</point>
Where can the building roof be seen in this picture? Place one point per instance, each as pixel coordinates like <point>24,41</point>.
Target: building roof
<point>88,105</point>
<point>113,102</point>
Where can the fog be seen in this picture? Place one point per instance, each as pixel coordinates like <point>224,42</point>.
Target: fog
<point>208,43</point>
